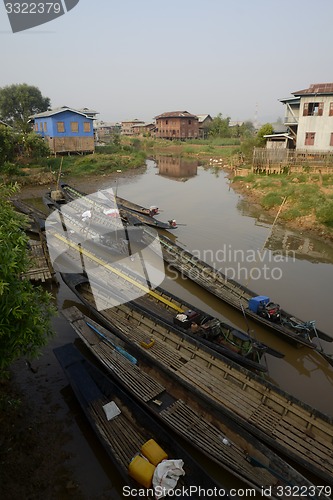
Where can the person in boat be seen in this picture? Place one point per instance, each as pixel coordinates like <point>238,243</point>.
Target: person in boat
<point>194,327</point>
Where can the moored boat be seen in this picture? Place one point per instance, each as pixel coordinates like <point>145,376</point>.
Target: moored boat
<point>257,307</point>
<point>169,310</point>
<point>290,426</point>
<point>139,447</point>
<point>144,216</point>
<point>165,307</point>
<point>226,444</point>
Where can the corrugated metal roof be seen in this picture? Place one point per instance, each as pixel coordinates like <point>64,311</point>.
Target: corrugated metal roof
<point>286,136</point>
<point>56,111</point>
<point>176,114</point>
<point>316,88</point>
<point>290,100</point>
<point>202,118</point>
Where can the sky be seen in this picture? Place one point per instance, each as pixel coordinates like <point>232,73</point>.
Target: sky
<point>137,59</point>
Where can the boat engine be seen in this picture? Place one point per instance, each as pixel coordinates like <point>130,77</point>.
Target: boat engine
<point>263,306</point>
<point>270,311</point>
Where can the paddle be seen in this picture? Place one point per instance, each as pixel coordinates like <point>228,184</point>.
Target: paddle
<point>122,351</point>
<point>269,350</point>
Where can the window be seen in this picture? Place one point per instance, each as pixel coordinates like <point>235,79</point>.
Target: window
<point>189,122</point>
<point>36,127</point>
<point>313,109</point>
<point>309,138</point>
<point>41,126</point>
<point>331,141</point>
<point>86,127</point>
<point>166,122</point>
<point>331,109</point>
<point>74,126</point>
<point>60,127</point>
<point>45,127</point>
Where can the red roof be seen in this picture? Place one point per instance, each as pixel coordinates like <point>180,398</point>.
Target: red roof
<point>317,88</point>
<point>176,114</point>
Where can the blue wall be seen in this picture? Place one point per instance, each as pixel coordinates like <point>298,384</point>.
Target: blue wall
<point>66,117</point>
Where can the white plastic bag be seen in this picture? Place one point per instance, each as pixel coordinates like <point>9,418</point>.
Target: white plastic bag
<point>166,476</point>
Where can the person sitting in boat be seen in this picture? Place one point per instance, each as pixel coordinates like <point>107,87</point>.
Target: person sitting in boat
<point>153,210</point>
<point>194,327</point>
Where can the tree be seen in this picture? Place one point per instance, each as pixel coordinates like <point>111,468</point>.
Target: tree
<point>266,129</point>
<point>34,146</point>
<point>7,145</point>
<point>247,130</point>
<point>219,127</point>
<point>25,310</point>
<point>18,102</point>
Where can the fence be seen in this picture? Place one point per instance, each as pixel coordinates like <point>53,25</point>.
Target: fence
<point>280,161</point>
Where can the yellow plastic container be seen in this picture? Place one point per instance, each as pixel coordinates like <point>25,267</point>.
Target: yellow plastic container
<point>147,343</point>
<point>142,471</point>
<point>153,452</point>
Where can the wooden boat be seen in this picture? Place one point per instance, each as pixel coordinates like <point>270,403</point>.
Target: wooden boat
<point>292,427</point>
<point>129,430</point>
<point>114,236</point>
<point>227,445</point>
<point>240,297</point>
<point>35,216</point>
<point>127,210</point>
<point>171,311</point>
<point>151,211</point>
<point>167,308</point>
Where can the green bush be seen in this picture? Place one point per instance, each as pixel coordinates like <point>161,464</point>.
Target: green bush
<point>34,146</point>
<point>10,169</point>
<point>291,214</point>
<point>325,213</point>
<point>271,200</point>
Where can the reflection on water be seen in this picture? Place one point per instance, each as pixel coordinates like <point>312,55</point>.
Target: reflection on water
<point>177,168</point>
<point>302,246</point>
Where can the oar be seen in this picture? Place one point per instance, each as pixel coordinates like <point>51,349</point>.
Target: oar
<point>269,350</point>
<point>122,351</point>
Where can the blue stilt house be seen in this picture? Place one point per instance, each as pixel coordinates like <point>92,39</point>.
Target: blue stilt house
<point>66,130</point>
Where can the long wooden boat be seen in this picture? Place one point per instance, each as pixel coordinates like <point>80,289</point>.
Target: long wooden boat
<point>111,236</point>
<point>73,193</point>
<point>128,212</point>
<point>126,430</point>
<point>227,445</point>
<point>151,211</point>
<point>169,310</point>
<point>290,426</point>
<point>36,217</point>
<point>241,297</point>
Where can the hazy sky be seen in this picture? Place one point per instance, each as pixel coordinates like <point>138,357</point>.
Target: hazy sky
<point>139,58</point>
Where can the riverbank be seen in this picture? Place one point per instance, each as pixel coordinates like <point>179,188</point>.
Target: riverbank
<point>308,205</point>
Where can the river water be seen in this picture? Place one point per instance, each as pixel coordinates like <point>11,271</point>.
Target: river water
<point>218,226</point>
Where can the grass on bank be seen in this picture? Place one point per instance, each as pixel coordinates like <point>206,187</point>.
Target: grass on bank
<point>128,153</point>
<point>307,194</point>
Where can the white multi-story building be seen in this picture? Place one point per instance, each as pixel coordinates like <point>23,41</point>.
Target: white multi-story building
<point>309,118</point>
